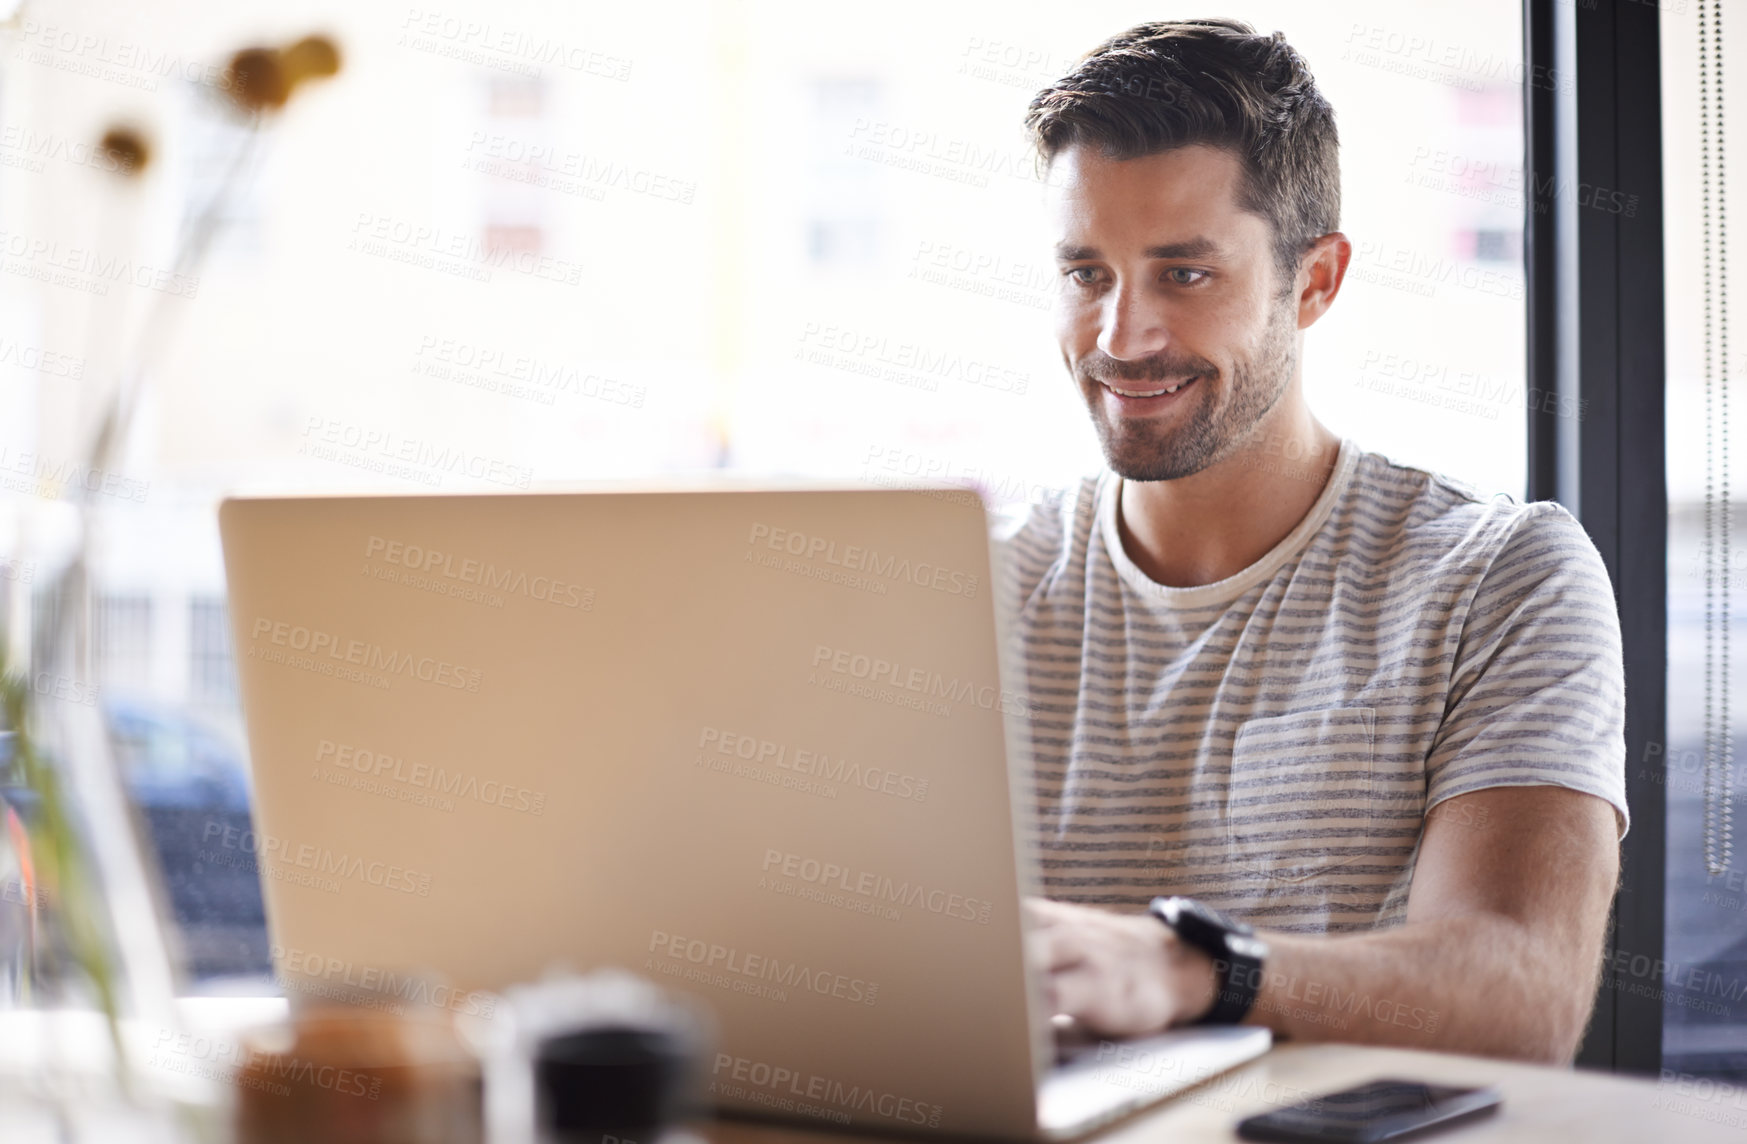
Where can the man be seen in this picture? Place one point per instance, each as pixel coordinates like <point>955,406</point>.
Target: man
<point>1352,704</point>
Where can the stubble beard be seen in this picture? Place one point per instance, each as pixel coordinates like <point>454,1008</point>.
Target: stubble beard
<point>1139,449</point>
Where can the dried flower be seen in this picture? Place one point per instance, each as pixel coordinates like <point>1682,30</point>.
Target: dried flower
<point>262,79</point>
<point>312,57</point>
<point>126,149</point>
<point>256,79</point>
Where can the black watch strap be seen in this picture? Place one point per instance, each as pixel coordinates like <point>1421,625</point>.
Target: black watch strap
<point>1239,977</point>
<point>1236,952</point>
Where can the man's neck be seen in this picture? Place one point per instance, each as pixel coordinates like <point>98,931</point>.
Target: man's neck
<point>1214,524</point>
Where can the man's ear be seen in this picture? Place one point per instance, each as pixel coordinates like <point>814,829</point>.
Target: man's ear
<point>1321,270</point>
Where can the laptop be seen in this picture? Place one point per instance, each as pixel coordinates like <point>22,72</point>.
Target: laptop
<point>753,742</point>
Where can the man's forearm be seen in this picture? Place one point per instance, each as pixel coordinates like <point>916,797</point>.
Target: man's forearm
<point>1475,984</point>
<point>1499,955</point>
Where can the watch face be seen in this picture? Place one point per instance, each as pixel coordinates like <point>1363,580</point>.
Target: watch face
<point>1198,924</point>
<point>1189,921</point>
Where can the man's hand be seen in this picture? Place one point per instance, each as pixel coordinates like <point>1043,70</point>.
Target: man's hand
<point>1116,975</point>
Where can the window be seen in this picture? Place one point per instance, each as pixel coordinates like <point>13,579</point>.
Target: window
<point>843,228</point>
<point>211,672</point>
<point>1704,988</point>
<point>516,161</point>
<point>123,643</point>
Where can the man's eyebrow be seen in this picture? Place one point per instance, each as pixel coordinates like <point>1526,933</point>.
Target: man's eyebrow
<point>1193,248</point>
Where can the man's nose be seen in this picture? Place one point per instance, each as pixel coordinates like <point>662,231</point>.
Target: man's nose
<point>1131,325</point>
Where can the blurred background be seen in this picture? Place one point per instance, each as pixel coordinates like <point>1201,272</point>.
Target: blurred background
<point>519,245</point>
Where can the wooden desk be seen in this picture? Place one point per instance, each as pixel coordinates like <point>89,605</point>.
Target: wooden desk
<point>1541,1105</point>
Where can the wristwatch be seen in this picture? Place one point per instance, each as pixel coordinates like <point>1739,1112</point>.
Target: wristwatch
<point>1236,951</point>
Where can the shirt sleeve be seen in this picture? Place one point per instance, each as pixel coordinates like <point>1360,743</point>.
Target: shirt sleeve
<point>1537,694</point>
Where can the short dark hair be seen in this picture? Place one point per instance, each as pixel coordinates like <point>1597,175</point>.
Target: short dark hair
<point>1163,85</point>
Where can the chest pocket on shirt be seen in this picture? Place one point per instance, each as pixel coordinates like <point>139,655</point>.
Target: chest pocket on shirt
<point>1299,801</point>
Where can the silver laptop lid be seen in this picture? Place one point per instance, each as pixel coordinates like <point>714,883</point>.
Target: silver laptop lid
<point>750,744</point>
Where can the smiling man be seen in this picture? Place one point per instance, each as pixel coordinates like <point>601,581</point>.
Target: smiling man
<point>1281,682</point>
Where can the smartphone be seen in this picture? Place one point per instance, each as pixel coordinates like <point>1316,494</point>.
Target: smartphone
<point>1380,1110</point>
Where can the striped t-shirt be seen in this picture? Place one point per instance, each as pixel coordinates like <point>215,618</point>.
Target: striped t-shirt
<point>1270,743</point>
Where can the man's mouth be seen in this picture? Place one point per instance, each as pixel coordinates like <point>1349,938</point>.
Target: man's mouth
<point>1133,392</point>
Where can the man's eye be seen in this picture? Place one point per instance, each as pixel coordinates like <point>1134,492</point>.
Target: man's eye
<point>1075,275</point>
<point>1183,276</point>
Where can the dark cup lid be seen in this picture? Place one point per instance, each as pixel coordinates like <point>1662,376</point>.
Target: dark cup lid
<point>611,1080</point>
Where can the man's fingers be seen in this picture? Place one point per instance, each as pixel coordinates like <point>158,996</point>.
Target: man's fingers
<point>1052,950</point>
<point>1071,982</point>
<point>1098,967</point>
<point>1103,1007</point>
<point>1075,992</point>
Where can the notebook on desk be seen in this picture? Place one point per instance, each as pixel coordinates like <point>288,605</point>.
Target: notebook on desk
<point>755,744</point>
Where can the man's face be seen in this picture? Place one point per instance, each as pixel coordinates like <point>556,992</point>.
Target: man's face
<point>1168,283</point>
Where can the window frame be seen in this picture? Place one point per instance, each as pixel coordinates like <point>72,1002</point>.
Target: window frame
<point>1596,341</point>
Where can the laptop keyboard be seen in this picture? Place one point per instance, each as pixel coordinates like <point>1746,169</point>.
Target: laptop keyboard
<point>1069,1048</point>
<point>1093,1082</point>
